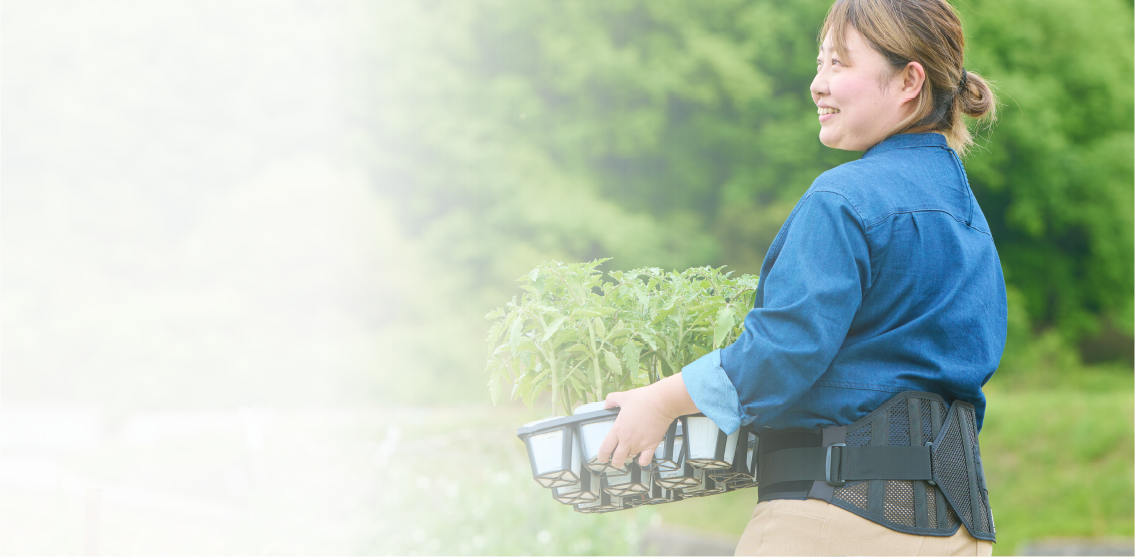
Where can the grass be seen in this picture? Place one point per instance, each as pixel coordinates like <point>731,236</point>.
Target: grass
<point>1060,462</point>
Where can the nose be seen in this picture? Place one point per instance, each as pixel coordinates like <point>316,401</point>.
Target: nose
<point>819,86</point>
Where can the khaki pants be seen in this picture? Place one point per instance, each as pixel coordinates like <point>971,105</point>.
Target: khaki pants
<point>814,527</point>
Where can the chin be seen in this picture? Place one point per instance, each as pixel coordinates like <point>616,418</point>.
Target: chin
<point>829,141</point>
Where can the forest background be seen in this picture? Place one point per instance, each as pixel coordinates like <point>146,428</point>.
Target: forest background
<point>211,203</point>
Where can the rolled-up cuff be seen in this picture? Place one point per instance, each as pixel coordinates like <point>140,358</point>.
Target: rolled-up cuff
<point>713,393</point>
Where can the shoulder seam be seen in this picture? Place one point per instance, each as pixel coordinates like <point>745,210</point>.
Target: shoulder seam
<point>927,210</point>
<point>858,213</point>
<point>807,198</point>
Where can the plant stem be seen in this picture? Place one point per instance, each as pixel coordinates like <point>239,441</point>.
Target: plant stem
<point>597,381</point>
<point>555,380</point>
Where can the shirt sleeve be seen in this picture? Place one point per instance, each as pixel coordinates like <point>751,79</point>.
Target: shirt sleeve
<point>813,283</point>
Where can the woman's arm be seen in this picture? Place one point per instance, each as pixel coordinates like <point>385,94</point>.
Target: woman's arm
<point>812,286</point>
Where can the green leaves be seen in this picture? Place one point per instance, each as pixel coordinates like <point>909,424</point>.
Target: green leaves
<point>613,363</point>
<point>555,326</point>
<point>515,332</point>
<point>725,322</point>
<point>576,336</point>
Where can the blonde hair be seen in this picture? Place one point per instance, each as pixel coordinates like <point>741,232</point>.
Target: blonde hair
<point>928,32</point>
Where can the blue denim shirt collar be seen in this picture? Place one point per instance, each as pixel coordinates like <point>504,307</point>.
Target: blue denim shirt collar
<point>906,140</point>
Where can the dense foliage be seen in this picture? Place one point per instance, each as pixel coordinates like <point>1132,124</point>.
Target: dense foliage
<point>499,134</point>
<point>578,337</point>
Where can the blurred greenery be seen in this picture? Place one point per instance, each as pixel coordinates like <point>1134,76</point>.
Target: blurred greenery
<point>230,252</point>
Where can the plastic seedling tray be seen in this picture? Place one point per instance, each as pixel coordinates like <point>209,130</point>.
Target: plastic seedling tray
<point>709,486</point>
<point>683,478</point>
<point>553,451</point>
<point>656,494</point>
<point>750,479</point>
<point>601,503</point>
<point>594,422</point>
<point>707,447</point>
<point>632,482</point>
<point>696,489</point>
<point>739,469</point>
<point>666,455</point>
<point>695,459</point>
<point>632,501</point>
<point>612,505</point>
<point>576,493</point>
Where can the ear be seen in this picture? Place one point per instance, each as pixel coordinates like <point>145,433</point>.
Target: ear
<point>912,77</point>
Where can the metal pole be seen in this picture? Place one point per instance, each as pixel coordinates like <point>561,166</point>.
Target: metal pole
<point>92,522</point>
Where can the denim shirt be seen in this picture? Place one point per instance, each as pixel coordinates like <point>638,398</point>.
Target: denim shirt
<point>883,279</point>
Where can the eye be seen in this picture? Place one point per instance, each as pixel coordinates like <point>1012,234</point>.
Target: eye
<point>836,61</point>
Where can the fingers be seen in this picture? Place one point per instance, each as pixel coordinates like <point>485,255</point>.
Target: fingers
<point>607,446</point>
<point>612,400</point>
<point>619,459</point>
<point>645,457</point>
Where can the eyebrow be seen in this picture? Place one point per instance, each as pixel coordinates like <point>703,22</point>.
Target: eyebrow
<point>832,50</point>
<point>822,49</point>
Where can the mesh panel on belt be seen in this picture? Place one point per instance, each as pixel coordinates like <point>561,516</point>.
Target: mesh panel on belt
<point>911,506</point>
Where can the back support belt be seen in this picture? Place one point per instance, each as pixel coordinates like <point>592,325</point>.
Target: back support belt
<point>911,465</point>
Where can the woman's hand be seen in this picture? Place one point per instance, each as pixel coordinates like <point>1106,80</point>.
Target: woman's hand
<point>644,416</point>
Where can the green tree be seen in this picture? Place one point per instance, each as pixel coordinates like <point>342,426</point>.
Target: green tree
<point>1055,177</point>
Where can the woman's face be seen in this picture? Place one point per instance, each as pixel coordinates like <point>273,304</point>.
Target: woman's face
<point>858,99</point>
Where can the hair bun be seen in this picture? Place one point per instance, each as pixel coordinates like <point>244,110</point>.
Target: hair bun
<point>977,98</point>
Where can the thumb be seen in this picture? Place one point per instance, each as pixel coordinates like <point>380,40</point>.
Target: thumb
<point>613,400</point>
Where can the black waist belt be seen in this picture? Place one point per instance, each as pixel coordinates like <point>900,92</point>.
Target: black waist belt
<point>839,464</point>
<point>912,465</point>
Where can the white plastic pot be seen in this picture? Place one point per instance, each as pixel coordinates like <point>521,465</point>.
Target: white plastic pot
<point>633,482</point>
<point>580,492</point>
<point>667,454</point>
<point>696,488</point>
<point>708,447</point>
<point>750,479</point>
<point>553,451</point>
<point>656,494</point>
<point>682,477</point>
<point>602,501</point>
<point>593,430</point>
<point>738,471</point>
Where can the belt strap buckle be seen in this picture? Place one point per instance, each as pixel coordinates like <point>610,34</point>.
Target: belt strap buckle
<point>828,476</point>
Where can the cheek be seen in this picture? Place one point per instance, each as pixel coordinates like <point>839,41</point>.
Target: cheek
<point>855,91</point>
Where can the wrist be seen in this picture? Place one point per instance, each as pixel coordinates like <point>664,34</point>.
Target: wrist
<point>673,398</point>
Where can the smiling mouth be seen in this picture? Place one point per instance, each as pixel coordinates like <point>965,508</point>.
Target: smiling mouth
<point>822,111</point>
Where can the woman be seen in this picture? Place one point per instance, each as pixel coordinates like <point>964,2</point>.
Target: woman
<point>883,280</point>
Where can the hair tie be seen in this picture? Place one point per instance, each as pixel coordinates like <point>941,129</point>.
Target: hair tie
<point>962,84</point>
